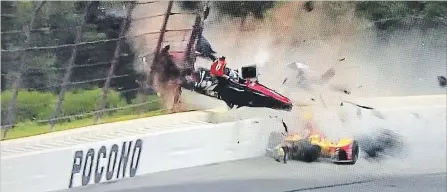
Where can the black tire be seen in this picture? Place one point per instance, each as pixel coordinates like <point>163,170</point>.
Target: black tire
<point>355,153</point>
<point>303,150</point>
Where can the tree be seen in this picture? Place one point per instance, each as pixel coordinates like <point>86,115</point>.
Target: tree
<point>189,5</point>
<point>244,8</point>
<point>107,22</point>
<point>394,14</point>
<point>56,26</point>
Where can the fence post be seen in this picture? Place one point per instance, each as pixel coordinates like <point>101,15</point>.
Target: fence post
<point>161,37</point>
<point>18,81</point>
<point>150,76</point>
<point>67,74</point>
<point>114,62</point>
<point>196,34</point>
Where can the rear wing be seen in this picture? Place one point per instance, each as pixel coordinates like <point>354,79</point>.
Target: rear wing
<point>249,72</point>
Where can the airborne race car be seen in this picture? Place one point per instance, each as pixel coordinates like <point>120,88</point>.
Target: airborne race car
<point>237,91</point>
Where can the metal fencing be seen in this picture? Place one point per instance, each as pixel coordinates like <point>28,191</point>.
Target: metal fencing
<point>53,85</point>
<point>59,89</point>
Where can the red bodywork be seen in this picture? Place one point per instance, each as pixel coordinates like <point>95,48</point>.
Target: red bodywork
<point>218,68</point>
<point>268,92</point>
<point>346,148</point>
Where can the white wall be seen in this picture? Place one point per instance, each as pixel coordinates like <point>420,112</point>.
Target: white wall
<point>160,151</point>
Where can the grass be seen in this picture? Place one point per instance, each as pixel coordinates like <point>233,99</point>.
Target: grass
<point>32,129</point>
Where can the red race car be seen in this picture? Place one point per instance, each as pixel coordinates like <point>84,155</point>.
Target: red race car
<point>237,91</point>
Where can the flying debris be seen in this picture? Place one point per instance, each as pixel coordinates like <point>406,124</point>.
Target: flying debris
<point>442,81</point>
<point>309,6</point>
<point>204,48</point>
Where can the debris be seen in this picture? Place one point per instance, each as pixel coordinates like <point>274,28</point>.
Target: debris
<point>442,81</point>
<point>359,113</point>
<point>285,80</point>
<point>416,115</point>
<point>361,106</point>
<point>328,75</point>
<point>378,114</point>
<point>346,92</point>
<point>309,6</point>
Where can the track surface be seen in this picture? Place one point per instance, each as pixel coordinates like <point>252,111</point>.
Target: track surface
<point>265,175</point>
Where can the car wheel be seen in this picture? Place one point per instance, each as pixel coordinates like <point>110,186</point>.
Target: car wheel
<point>306,152</point>
<point>355,152</point>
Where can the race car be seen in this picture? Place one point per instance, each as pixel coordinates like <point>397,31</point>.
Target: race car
<point>237,91</point>
<point>311,148</point>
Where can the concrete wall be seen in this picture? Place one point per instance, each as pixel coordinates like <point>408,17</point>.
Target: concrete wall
<point>140,147</point>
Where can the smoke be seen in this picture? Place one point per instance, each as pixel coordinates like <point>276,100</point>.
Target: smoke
<point>386,63</point>
<point>382,143</point>
<point>377,63</point>
<point>382,63</point>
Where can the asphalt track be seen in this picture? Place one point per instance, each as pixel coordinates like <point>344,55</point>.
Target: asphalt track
<point>422,167</point>
<point>266,175</point>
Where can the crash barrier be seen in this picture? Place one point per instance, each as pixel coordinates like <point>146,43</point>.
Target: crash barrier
<point>124,155</point>
<point>139,147</point>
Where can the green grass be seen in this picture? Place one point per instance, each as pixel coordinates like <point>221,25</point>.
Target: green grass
<point>32,129</point>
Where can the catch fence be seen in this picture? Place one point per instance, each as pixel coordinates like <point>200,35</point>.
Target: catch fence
<point>48,86</point>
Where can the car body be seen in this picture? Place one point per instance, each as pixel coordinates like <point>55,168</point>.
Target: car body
<point>313,147</point>
<point>237,91</point>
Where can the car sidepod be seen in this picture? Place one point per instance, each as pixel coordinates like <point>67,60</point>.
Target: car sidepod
<point>347,154</point>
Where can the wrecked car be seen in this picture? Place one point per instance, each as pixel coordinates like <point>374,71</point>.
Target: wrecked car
<point>314,146</point>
